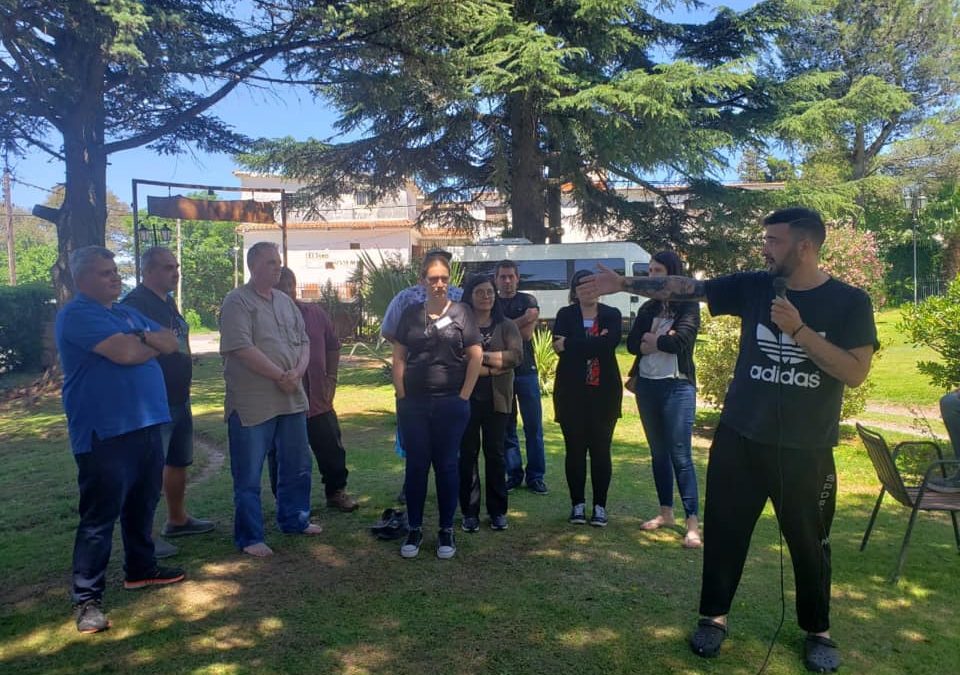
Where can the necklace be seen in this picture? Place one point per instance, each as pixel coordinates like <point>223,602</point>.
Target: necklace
<point>435,316</point>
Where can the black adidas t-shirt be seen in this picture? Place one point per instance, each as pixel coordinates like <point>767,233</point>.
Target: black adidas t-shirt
<point>514,308</point>
<point>810,406</point>
<point>436,350</point>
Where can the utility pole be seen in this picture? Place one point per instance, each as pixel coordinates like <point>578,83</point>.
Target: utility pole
<point>179,259</point>
<point>8,204</point>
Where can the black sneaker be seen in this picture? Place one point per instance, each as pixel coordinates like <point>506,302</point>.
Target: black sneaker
<point>160,576</point>
<point>498,522</point>
<point>599,518</point>
<point>513,483</point>
<point>446,544</point>
<point>578,514</point>
<point>470,524</point>
<point>90,617</point>
<point>411,545</point>
<point>538,487</point>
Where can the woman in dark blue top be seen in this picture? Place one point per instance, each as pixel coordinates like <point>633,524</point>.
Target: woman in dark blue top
<point>436,362</point>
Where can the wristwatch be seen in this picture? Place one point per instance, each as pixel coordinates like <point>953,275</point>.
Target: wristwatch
<point>142,335</point>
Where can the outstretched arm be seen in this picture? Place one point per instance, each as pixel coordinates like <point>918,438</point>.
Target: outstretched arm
<point>607,281</point>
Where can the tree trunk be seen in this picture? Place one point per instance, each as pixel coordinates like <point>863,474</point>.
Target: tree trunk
<point>83,215</point>
<point>527,204</point>
<point>951,257</point>
<point>554,212</point>
<point>859,153</point>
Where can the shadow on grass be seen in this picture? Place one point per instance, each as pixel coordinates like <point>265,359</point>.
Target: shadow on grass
<point>541,597</point>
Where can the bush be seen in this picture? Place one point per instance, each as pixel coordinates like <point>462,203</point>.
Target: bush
<point>716,356</point>
<point>546,359</point>
<point>934,323</point>
<point>25,312</point>
<point>192,317</point>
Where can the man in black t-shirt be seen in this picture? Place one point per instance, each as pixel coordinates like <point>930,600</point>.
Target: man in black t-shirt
<point>523,310</point>
<point>804,336</point>
<point>161,272</point>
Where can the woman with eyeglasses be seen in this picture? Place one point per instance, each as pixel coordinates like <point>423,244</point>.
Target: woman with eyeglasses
<point>663,337</point>
<point>490,406</point>
<point>436,362</point>
<point>587,396</point>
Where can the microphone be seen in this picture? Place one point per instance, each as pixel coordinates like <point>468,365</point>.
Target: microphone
<point>780,287</point>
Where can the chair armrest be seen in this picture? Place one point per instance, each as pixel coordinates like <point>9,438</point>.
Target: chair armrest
<point>942,464</point>
<point>904,445</point>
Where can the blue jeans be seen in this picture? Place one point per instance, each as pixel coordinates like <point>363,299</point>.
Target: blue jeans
<point>119,478</point>
<point>287,434</point>
<point>526,389</point>
<point>667,408</point>
<point>432,428</point>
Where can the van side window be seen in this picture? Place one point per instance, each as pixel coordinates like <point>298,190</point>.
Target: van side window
<point>543,275</point>
<point>616,264</point>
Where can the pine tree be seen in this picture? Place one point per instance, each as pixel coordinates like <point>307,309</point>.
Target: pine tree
<point>536,100</point>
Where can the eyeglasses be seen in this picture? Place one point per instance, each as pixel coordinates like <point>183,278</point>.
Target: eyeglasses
<point>484,292</point>
<point>438,280</point>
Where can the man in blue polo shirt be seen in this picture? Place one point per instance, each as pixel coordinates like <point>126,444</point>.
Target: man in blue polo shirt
<point>115,401</point>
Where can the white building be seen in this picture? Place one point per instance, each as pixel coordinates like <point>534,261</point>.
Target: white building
<point>327,245</point>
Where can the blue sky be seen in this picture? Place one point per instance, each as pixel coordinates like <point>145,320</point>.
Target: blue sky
<point>285,112</point>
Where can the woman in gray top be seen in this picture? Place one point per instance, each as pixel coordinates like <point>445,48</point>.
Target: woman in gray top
<point>490,406</point>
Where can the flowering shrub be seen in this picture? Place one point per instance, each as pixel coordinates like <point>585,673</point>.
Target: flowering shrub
<point>852,256</point>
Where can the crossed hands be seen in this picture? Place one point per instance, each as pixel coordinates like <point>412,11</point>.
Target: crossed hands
<point>559,342</point>
<point>648,343</point>
<point>289,381</point>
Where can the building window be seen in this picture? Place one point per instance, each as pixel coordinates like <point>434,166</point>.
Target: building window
<point>328,266</point>
<point>362,198</point>
<point>354,246</point>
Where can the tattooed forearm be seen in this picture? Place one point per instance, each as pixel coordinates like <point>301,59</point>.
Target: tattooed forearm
<point>666,288</point>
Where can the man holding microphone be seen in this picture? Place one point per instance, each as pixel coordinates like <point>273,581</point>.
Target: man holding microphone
<point>780,419</point>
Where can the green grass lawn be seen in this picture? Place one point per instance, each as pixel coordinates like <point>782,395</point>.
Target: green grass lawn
<point>894,373</point>
<point>542,597</point>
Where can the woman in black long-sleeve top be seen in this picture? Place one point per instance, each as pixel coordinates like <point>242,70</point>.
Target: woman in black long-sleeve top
<point>587,396</point>
<point>663,337</point>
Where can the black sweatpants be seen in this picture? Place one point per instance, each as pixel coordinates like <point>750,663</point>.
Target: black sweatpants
<point>582,435</point>
<point>741,476</point>
<point>491,425</point>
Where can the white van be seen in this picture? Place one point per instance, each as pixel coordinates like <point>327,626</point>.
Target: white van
<point>546,269</point>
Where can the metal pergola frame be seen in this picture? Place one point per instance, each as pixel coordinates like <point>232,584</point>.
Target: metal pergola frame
<point>209,188</point>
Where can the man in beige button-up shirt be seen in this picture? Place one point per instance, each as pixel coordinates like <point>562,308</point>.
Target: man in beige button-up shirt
<point>266,351</point>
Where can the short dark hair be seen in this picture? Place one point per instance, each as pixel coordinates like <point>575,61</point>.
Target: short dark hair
<point>803,221</point>
<point>509,264</point>
<point>671,261</point>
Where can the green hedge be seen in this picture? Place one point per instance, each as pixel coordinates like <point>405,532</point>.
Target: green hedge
<point>24,313</point>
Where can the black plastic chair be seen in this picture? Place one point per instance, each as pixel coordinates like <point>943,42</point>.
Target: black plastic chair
<point>915,497</point>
